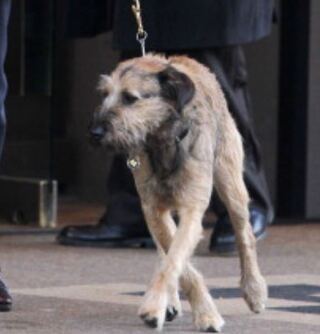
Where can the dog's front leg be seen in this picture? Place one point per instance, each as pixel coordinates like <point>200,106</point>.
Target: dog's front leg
<point>205,313</point>
<point>166,279</point>
<point>162,228</point>
<point>161,302</point>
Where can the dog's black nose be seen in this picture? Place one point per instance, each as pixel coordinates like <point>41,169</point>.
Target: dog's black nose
<point>97,133</point>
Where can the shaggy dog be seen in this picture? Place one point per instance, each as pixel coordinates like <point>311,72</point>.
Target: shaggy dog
<point>170,117</point>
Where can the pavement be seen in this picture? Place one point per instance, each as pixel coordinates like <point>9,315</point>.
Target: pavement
<point>59,289</point>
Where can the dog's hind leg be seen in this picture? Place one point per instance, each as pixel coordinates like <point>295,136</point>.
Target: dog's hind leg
<point>232,191</point>
<point>205,313</point>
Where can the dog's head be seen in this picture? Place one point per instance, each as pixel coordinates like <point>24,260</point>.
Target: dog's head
<point>143,98</point>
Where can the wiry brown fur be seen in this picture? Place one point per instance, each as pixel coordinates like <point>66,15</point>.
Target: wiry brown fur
<point>171,114</point>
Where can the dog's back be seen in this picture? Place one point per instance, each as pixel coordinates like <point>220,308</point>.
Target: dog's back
<point>209,110</point>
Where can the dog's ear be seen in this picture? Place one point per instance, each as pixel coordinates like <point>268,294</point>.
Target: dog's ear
<point>176,87</point>
<point>164,148</point>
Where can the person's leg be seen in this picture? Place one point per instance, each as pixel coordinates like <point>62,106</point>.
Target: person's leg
<point>5,298</point>
<point>4,18</point>
<point>230,68</point>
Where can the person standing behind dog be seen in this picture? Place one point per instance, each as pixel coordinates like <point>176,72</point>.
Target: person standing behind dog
<point>5,6</point>
<point>213,33</point>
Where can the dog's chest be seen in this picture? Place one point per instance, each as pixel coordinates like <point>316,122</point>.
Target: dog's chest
<point>165,191</point>
<point>171,191</point>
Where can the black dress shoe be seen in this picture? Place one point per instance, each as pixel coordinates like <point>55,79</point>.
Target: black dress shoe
<point>122,225</point>
<point>5,298</point>
<point>223,240</point>
<point>102,235</point>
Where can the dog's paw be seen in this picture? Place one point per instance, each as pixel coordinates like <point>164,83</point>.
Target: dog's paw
<point>208,322</point>
<point>150,320</point>
<point>174,308</point>
<point>171,313</point>
<point>255,293</point>
<point>153,310</point>
<point>206,316</point>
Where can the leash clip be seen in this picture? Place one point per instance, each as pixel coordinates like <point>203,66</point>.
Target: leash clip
<point>141,34</point>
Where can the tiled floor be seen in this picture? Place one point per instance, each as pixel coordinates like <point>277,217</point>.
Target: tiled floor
<point>60,289</point>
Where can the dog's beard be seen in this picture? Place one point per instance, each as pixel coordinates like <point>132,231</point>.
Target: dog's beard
<point>122,146</point>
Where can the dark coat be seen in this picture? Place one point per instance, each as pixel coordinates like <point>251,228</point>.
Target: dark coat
<point>174,24</point>
<point>87,18</point>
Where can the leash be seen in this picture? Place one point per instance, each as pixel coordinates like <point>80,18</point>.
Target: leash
<point>133,162</point>
<point>141,35</point>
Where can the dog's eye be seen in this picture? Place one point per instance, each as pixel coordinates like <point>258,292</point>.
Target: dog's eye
<point>128,98</point>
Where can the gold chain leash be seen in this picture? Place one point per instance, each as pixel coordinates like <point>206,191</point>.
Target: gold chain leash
<point>133,162</point>
<point>141,33</point>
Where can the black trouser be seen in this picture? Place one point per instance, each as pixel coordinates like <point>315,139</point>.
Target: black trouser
<point>229,65</point>
<point>4,18</point>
